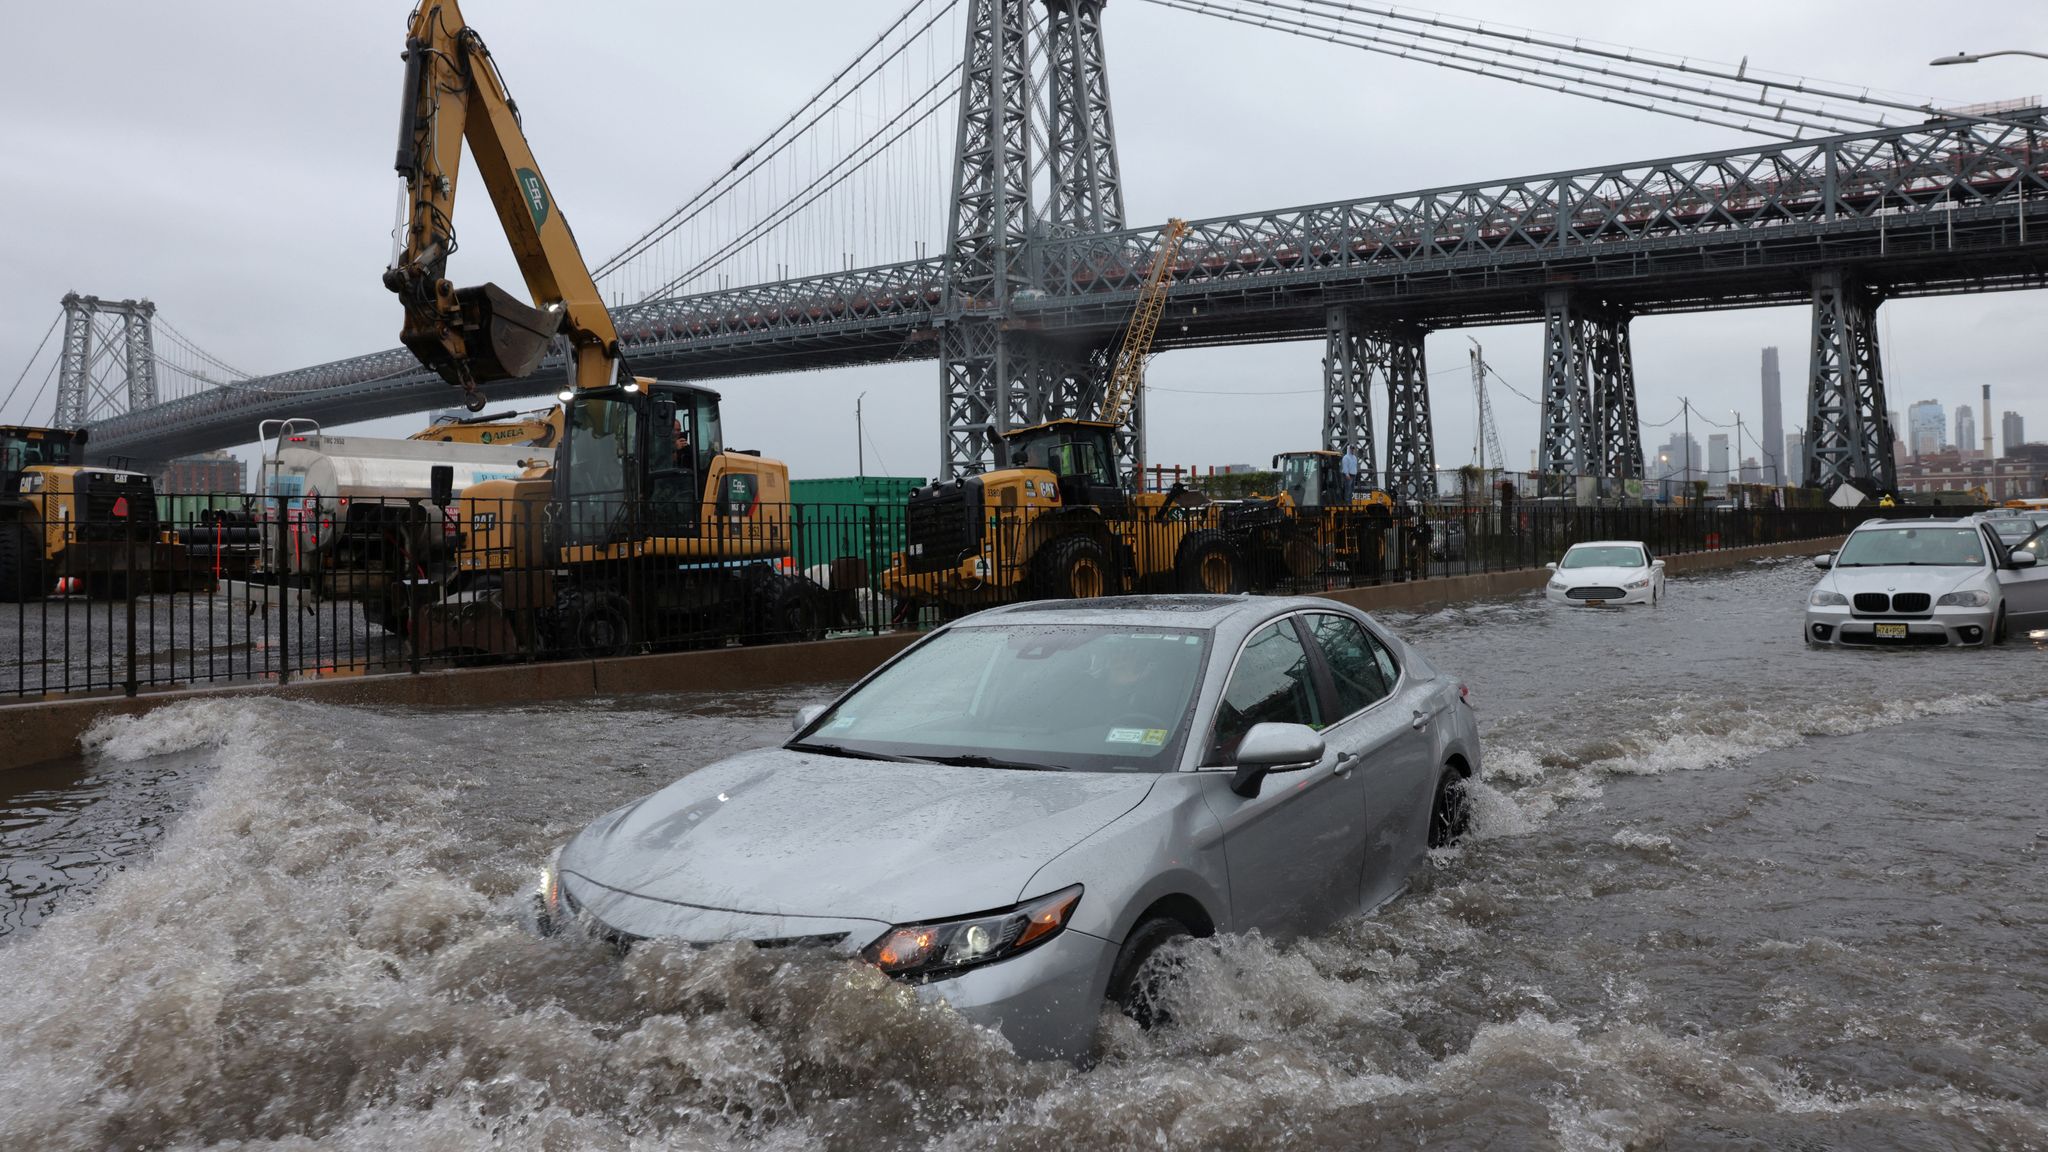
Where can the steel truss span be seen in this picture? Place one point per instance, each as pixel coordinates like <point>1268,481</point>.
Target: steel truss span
<point>1944,207</point>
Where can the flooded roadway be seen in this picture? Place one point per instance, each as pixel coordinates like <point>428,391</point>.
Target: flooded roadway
<point>1724,892</point>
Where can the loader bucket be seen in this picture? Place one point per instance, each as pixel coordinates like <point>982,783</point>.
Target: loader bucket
<point>506,337</point>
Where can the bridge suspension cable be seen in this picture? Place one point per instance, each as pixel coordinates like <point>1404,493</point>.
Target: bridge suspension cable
<point>25,368</point>
<point>854,175</point>
<point>1669,87</point>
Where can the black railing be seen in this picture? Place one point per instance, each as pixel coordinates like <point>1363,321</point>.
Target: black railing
<point>239,588</point>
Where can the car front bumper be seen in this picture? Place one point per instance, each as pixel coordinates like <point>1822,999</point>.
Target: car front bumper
<point>1628,596</point>
<point>1944,627</point>
<point>1045,1001</point>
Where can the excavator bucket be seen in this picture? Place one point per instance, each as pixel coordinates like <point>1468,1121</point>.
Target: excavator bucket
<point>506,336</point>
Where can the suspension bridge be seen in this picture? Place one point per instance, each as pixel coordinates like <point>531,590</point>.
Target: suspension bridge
<point>871,226</point>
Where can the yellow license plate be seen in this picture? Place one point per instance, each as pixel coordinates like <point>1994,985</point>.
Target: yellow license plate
<point>1595,603</point>
<point>1891,631</point>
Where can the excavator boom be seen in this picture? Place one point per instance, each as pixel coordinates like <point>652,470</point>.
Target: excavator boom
<point>472,336</point>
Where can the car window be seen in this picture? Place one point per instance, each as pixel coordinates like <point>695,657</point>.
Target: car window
<point>1359,668</point>
<point>1270,684</point>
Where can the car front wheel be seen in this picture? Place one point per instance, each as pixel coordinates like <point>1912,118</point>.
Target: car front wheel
<point>1999,633</point>
<point>1143,975</point>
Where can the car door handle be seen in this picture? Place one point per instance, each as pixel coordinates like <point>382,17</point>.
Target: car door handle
<point>1345,762</point>
<point>1420,722</point>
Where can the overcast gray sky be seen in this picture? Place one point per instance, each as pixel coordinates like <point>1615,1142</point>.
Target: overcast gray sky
<point>232,161</point>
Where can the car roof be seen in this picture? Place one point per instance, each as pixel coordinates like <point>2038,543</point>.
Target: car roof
<point>1213,613</point>
<point>1610,544</point>
<point>1920,522</point>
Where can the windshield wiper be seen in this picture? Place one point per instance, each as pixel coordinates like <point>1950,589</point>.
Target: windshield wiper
<point>974,760</point>
<point>849,753</point>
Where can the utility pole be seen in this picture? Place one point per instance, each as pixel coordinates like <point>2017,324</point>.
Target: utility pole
<point>1686,406</point>
<point>859,440</point>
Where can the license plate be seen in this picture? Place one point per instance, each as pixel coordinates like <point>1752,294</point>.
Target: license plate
<point>1891,631</point>
<point>1595,603</point>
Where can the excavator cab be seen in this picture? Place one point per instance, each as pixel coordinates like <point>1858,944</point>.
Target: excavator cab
<point>1312,479</point>
<point>24,448</point>
<point>636,464</point>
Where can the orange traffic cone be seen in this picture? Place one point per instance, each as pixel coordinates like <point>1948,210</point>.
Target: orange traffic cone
<point>69,586</point>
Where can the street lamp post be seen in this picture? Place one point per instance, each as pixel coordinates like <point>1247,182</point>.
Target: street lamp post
<point>1973,57</point>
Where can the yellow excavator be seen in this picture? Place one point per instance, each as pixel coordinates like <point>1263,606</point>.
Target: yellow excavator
<point>1059,522</point>
<point>517,429</point>
<point>642,527</point>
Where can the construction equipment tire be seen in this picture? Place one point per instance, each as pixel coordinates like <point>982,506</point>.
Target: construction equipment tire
<point>1207,563</point>
<point>592,622</point>
<point>1071,568</point>
<point>21,565</point>
<point>786,608</point>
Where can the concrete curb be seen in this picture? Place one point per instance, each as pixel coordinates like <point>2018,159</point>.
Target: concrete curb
<point>47,730</point>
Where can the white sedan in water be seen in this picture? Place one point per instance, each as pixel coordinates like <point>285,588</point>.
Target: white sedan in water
<point>1606,572</point>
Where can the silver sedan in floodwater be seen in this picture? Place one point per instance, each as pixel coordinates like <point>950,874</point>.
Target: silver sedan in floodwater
<point>1016,813</point>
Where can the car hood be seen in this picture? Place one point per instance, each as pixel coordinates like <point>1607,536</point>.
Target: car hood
<point>1616,577</point>
<point>795,834</point>
<point>1933,581</point>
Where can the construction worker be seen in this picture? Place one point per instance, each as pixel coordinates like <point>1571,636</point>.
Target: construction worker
<point>1419,537</point>
<point>1348,470</point>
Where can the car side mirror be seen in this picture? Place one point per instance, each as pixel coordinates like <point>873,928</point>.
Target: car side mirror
<point>1552,567</point>
<point>1824,561</point>
<point>1274,748</point>
<point>1656,563</point>
<point>806,716</point>
<point>2023,559</point>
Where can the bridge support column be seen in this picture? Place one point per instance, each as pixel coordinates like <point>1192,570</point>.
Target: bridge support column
<point>984,389</point>
<point>1589,422</point>
<point>1848,429</point>
<point>1411,443</point>
<point>1348,356</point>
<point>1086,195</point>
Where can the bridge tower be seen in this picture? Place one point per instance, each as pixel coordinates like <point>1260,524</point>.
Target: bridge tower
<point>1355,350</point>
<point>993,376</point>
<point>1589,425</point>
<point>107,366</point>
<point>1848,430</point>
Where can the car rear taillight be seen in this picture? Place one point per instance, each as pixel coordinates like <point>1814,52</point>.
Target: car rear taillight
<point>1464,696</point>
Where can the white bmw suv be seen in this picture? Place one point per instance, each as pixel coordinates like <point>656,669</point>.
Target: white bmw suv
<point>1914,582</point>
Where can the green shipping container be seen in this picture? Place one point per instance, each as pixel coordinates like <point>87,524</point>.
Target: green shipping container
<point>859,516</point>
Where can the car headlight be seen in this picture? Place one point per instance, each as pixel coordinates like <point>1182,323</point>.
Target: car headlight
<point>940,948</point>
<point>1822,598</point>
<point>1558,584</point>
<point>1974,598</point>
<point>1643,583</point>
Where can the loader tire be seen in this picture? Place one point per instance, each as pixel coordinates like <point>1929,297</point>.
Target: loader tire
<point>21,565</point>
<point>592,622</point>
<point>786,608</point>
<point>1071,568</point>
<point>1207,563</point>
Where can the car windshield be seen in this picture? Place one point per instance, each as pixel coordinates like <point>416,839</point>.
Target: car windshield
<point>1881,547</point>
<point>1087,697</point>
<point>1603,556</point>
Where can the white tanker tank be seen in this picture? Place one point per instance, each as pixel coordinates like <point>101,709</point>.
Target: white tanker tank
<point>358,509</point>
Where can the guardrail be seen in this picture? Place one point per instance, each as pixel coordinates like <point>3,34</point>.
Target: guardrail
<point>245,588</point>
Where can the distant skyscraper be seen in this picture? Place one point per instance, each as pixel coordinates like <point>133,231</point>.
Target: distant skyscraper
<point>2015,431</point>
<point>1776,471</point>
<point>1670,461</point>
<point>1966,431</point>
<point>1795,459</point>
<point>1717,458</point>
<point>1925,426</point>
<point>1752,471</point>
